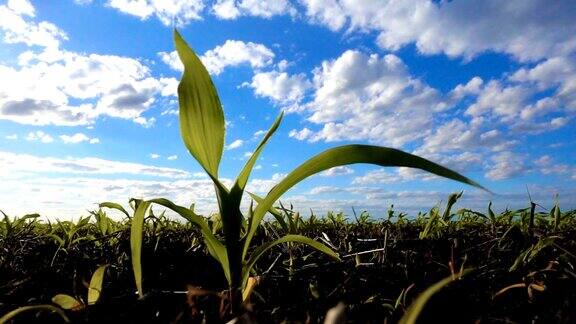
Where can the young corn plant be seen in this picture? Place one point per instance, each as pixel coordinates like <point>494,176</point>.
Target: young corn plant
<point>202,128</point>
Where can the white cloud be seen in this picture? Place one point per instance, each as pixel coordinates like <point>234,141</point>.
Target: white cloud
<point>546,165</point>
<point>368,97</point>
<point>169,12</point>
<point>302,134</point>
<point>226,9</point>
<point>145,122</point>
<point>458,135</point>
<point>13,164</point>
<point>231,53</point>
<point>235,144</point>
<point>234,53</point>
<point>70,197</point>
<point>21,7</point>
<point>154,156</point>
<point>12,136</point>
<point>232,9</point>
<point>17,28</point>
<point>40,91</point>
<point>78,138</point>
<point>259,133</point>
<point>337,171</point>
<point>457,28</point>
<point>378,176</point>
<point>172,157</point>
<point>39,136</point>
<point>264,185</point>
<point>506,165</point>
<point>172,60</point>
<point>280,86</point>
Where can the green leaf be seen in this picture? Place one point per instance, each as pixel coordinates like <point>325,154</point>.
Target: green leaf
<point>201,115</point>
<point>345,155</point>
<point>66,301</point>
<point>12,314</point>
<point>417,306</point>
<point>275,212</point>
<point>491,214</point>
<point>113,205</point>
<point>214,246</point>
<point>136,229</point>
<point>288,238</point>
<point>452,199</point>
<point>96,285</point>
<point>245,173</point>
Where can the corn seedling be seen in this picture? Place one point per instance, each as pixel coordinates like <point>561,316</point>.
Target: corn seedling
<point>202,130</point>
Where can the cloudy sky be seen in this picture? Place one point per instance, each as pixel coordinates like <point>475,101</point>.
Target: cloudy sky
<point>88,108</point>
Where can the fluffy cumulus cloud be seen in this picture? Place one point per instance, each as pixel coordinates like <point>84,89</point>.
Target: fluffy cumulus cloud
<point>368,97</point>
<point>475,26</point>
<point>169,12</point>
<point>232,9</point>
<point>281,87</point>
<point>17,25</point>
<point>53,86</point>
<point>231,53</point>
<point>40,91</point>
<point>234,52</point>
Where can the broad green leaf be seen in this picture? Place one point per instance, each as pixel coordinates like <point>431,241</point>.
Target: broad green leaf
<point>417,306</point>
<point>12,314</point>
<point>96,285</point>
<point>201,115</point>
<point>136,229</point>
<point>345,155</point>
<point>214,246</point>
<point>288,238</point>
<point>245,173</point>
<point>113,205</point>
<point>66,301</point>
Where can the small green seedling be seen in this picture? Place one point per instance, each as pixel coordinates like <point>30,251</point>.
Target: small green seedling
<point>202,128</point>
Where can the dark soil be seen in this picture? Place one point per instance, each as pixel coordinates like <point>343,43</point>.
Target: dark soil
<point>302,289</point>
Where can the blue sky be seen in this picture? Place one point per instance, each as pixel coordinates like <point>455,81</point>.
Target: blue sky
<point>88,111</point>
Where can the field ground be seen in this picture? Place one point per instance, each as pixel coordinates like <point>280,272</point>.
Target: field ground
<point>522,269</point>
